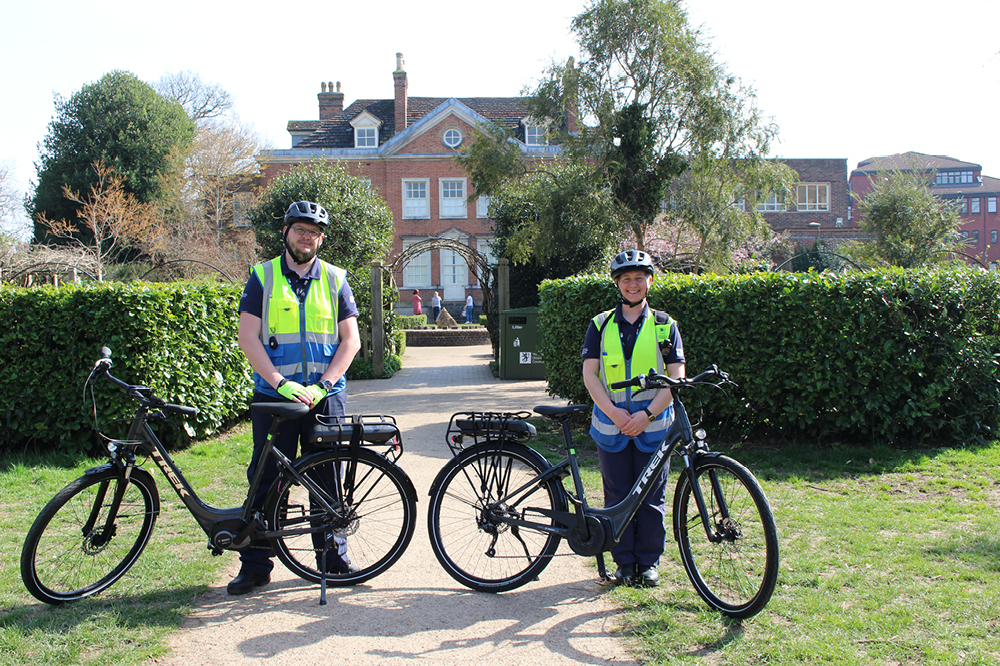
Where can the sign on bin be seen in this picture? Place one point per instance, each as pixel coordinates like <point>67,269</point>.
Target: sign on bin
<point>520,339</point>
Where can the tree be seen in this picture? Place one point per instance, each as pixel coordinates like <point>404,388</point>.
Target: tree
<point>118,121</point>
<point>201,101</point>
<point>112,217</point>
<point>9,199</point>
<point>908,225</point>
<point>360,229</point>
<point>653,104</point>
<point>550,225</point>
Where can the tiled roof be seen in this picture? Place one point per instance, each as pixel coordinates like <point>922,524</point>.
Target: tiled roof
<point>338,132</point>
<point>913,160</point>
<point>304,125</point>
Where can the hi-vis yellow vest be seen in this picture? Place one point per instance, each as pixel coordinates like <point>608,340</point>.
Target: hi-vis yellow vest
<point>615,367</point>
<point>300,341</point>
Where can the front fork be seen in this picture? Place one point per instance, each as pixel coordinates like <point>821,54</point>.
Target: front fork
<point>690,455</point>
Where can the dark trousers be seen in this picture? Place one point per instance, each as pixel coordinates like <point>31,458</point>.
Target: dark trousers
<point>256,559</point>
<point>642,542</point>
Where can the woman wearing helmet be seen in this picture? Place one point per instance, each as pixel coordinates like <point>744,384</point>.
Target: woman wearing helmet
<point>628,425</point>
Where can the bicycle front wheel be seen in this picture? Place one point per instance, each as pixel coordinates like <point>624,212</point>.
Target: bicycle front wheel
<point>373,516</point>
<point>470,499</point>
<point>736,569</point>
<point>72,551</point>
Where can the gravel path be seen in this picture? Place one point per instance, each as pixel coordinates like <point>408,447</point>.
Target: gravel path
<point>414,613</point>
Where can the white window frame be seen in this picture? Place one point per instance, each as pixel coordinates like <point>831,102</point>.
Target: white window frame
<point>993,236</point>
<point>449,206</point>
<point>975,204</point>
<point>964,207</point>
<point>953,177</point>
<point>366,137</point>
<point>454,144</point>
<point>535,135</point>
<point>991,204</point>
<point>773,203</point>
<point>416,208</point>
<point>812,204</point>
<point>483,246</point>
<point>483,206</point>
<point>417,271</point>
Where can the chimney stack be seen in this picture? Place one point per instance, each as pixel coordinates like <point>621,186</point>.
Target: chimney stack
<point>399,80</point>
<point>330,103</point>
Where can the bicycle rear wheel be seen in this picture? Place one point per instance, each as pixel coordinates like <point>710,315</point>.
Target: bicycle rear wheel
<point>70,552</point>
<point>374,515</point>
<point>471,494</point>
<point>737,570</point>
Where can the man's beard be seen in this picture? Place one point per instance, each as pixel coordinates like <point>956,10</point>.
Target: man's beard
<point>300,257</point>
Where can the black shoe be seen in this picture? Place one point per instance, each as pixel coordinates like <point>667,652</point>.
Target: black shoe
<point>647,576</point>
<point>245,582</point>
<point>625,575</point>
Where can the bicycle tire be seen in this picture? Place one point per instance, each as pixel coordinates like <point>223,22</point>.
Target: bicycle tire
<point>62,562</point>
<point>478,550</point>
<point>736,575</point>
<point>377,525</point>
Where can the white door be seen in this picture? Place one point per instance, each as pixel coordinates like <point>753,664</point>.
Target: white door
<point>453,276</point>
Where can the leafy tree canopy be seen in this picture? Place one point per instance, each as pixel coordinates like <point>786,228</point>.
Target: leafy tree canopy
<point>908,225</point>
<point>647,106</point>
<point>360,229</point>
<point>120,122</point>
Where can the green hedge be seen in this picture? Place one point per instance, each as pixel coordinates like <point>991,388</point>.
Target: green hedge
<point>178,339</point>
<point>894,355</point>
<point>411,321</point>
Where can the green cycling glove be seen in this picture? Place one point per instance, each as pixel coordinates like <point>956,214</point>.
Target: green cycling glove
<point>291,390</point>
<point>316,392</point>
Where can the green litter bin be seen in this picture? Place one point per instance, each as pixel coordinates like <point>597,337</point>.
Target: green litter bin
<point>521,345</point>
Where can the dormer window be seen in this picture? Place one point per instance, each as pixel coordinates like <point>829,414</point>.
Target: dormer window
<point>366,130</point>
<point>535,132</point>
<point>365,137</point>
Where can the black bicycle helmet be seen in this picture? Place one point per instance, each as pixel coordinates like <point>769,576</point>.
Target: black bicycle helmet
<point>631,260</point>
<point>307,211</point>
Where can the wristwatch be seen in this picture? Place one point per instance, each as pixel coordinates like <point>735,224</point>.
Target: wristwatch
<point>649,413</point>
<point>326,384</point>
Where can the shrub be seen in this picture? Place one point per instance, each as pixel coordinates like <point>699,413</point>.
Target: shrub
<point>890,354</point>
<point>411,321</point>
<point>180,340</point>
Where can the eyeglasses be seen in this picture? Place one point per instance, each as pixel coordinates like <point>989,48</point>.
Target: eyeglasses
<point>306,233</point>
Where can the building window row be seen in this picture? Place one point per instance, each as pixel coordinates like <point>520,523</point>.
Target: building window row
<point>453,199</point>
<point>952,177</point>
<point>453,271</point>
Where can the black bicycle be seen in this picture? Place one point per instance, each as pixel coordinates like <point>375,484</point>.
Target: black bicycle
<point>498,509</point>
<point>95,529</point>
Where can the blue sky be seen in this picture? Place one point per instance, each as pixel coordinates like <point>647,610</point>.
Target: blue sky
<point>851,79</point>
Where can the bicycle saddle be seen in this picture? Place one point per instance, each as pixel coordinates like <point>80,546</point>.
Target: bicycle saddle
<point>284,410</point>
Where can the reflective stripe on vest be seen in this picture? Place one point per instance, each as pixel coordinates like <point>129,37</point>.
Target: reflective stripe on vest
<point>306,337</point>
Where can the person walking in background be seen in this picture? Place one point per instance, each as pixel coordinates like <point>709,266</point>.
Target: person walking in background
<point>417,308</point>
<point>436,306</point>
<point>469,307</point>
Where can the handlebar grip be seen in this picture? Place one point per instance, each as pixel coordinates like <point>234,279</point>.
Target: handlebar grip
<point>617,386</point>
<point>180,409</point>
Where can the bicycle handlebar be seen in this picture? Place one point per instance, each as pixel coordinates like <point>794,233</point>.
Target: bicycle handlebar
<point>655,381</point>
<point>143,394</point>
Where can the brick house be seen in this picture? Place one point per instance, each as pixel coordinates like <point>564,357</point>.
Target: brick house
<point>822,206</point>
<point>405,147</point>
<point>953,179</point>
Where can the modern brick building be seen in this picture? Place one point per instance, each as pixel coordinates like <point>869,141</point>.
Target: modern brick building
<point>405,147</point>
<point>822,206</point>
<point>953,179</point>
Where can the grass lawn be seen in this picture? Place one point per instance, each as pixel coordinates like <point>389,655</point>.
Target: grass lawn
<point>888,557</point>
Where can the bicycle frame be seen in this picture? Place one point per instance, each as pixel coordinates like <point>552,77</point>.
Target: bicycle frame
<point>678,436</point>
<point>206,515</point>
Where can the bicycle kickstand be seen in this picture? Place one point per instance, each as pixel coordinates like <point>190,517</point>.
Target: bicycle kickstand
<point>602,570</point>
<point>322,566</point>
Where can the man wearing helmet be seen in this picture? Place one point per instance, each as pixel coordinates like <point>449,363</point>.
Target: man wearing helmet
<point>628,425</point>
<point>298,356</point>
